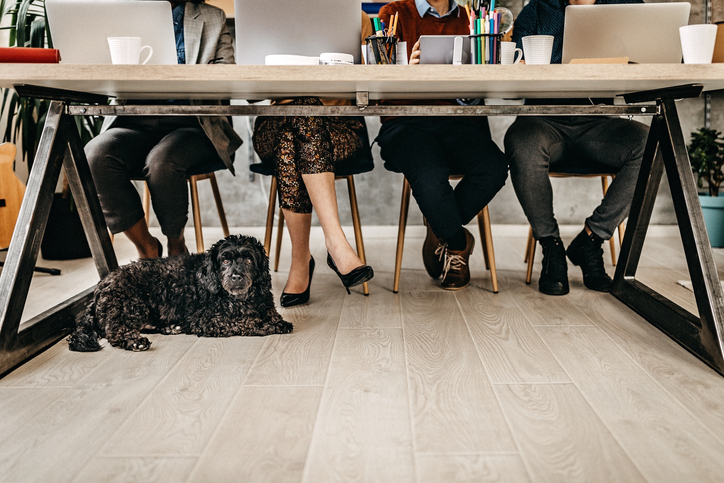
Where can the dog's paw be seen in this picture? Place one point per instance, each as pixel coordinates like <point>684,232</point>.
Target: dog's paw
<point>284,327</point>
<point>137,345</point>
<point>172,330</point>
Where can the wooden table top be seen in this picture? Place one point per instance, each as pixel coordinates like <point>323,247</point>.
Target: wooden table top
<point>381,82</point>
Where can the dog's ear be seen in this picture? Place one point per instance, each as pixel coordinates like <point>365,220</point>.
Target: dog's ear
<point>208,274</point>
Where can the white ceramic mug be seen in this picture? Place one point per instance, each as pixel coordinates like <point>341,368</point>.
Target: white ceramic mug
<point>537,49</point>
<point>509,53</point>
<point>697,43</point>
<point>127,50</point>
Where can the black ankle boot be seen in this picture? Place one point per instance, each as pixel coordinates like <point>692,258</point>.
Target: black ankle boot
<point>554,273</point>
<point>586,251</point>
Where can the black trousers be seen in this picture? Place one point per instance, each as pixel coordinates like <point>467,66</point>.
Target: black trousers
<point>427,150</point>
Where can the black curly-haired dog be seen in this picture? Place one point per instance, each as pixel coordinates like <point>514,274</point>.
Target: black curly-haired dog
<point>223,292</point>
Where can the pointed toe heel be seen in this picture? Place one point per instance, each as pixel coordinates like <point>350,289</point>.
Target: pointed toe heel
<point>356,277</point>
<point>292,299</point>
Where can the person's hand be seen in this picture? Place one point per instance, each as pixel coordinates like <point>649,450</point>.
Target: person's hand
<point>415,57</point>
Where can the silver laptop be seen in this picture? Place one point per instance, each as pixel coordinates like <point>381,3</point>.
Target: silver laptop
<point>295,27</point>
<point>80,27</point>
<point>646,33</point>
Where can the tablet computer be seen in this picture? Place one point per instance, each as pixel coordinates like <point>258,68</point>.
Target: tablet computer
<point>438,49</point>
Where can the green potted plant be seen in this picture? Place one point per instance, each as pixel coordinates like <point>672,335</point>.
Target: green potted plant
<point>26,26</point>
<point>706,154</point>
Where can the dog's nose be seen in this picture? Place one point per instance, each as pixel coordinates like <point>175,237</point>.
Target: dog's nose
<point>235,277</point>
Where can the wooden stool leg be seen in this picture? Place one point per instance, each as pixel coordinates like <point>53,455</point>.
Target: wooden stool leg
<point>483,238</point>
<point>280,235</point>
<point>197,214</point>
<point>489,250</point>
<point>354,208</point>
<point>219,204</point>
<point>404,208</point>
<point>270,215</point>
<point>611,241</point>
<point>146,202</point>
<point>527,244</point>
<point>531,258</point>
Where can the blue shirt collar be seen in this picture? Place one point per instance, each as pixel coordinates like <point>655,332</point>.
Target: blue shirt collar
<point>424,7</point>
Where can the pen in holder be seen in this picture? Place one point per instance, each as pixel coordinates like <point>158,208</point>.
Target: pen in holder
<point>485,48</point>
<point>383,50</point>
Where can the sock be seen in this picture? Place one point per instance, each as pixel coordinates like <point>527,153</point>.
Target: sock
<point>457,242</point>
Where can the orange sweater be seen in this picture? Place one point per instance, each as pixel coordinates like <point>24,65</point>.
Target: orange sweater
<point>410,26</point>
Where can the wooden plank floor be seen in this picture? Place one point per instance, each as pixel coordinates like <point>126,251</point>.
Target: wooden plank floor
<point>421,386</point>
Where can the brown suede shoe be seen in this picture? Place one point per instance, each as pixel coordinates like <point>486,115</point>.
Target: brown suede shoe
<point>433,254</point>
<point>456,273</point>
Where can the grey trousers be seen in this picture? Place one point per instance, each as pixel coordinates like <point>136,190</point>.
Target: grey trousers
<point>159,149</point>
<point>534,144</point>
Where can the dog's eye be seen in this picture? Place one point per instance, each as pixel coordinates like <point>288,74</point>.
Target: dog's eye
<point>226,262</point>
<point>248,260</point>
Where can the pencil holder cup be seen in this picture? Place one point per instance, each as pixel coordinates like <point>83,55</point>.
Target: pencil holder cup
<point>383,50</point>
<point>485,48</point>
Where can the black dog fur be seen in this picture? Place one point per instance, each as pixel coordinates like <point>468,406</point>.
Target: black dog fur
<point>223,292</point>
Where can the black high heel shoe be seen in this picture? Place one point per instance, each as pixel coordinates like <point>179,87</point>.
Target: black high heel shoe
<point>292,299</point>
<point>356,277</point>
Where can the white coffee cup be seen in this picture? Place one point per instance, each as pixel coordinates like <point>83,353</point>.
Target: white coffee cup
<point>697,43</point>
<point>537,49</point>
<point>127,50</point>
<point>509,53</point>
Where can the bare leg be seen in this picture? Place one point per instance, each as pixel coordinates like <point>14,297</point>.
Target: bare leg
<point>147,245</point>
<point>320,187</point>
<point>299,225</point>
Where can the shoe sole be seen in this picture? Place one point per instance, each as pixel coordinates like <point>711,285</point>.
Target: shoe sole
<point>455,288</point>
<point>561,292</point>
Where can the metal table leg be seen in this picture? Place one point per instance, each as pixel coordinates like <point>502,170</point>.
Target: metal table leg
<point>702,335</point>
<point>59,137</point>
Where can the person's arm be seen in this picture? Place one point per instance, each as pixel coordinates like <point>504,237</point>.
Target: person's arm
<point>224,47</point>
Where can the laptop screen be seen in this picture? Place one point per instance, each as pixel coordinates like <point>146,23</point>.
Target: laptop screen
<point>295,27</point>
<point>80,28</point>
<point>643,32</point>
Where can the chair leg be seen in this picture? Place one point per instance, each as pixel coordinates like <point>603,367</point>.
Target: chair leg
<point>530,255</point>
<point>611,241</point>
<point>219,204</point>
<point>404,208</point>
<point>354,208</point>
<point>197,214</point>
<point>280,235</point>
<point>270,215</point>
<point>527,244</point>
<point>489,251</point>
<point>483,241</point>
<point>146,202</point>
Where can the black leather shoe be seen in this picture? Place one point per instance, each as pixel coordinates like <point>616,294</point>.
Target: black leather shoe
<point>554,273</point>
<point>356,277</point>
<point>292,299</point>
<point>586,251</point>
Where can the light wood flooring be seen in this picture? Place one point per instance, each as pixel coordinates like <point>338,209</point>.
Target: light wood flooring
<point>421,386</point>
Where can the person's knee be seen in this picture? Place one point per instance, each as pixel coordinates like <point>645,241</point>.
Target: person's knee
<point>525,144</point>
<point>99,153</point>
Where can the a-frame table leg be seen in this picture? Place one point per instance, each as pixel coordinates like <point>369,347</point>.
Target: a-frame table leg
<point>702,335</point>
<point>59,135</point>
